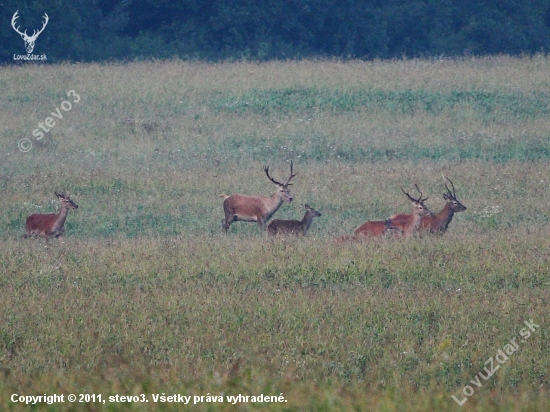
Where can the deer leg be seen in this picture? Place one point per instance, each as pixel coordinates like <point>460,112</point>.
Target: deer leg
<point>261,223</point>
<point>227,222</point>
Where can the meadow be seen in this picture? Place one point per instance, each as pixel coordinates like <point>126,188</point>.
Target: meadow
<point>146,296</point>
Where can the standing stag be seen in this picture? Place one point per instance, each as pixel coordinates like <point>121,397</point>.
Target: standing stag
<point>435,223</point>
<point>382,227</point>
<point>256,208</point>
<point>50,225</point>
<point>293,227</point>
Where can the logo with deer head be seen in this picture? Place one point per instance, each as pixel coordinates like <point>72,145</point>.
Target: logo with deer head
<point>29,40</point>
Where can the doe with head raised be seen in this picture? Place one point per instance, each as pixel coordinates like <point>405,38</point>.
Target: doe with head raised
<point>52,224</point>
<point>293,227</point>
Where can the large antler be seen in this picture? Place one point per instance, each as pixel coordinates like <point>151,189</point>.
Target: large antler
<point>412,199</point>
<point>291,175</point>
<point>409,196</point>
<point>266,170</point>
<point>420,191</point>
<point>453,193</point>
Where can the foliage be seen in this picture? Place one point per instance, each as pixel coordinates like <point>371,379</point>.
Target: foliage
<point>94,30</point>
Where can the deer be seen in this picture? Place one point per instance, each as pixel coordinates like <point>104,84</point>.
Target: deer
<point>50,225</point>
<point>383,227</point>
<point>29,40</point>
<point>438,222</point>
<point>371,229</point>
<point>257,209</point>
<point>293,227</point>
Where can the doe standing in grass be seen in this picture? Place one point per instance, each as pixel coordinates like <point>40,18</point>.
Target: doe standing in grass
<point>257,209</point>
<point>50,225</point>
<point>293,227</point>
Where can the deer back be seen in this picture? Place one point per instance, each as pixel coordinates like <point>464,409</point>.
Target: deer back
<point>372,228</point>
<point>279,226</point>
<point>40,224</point>
<point>251,207</point>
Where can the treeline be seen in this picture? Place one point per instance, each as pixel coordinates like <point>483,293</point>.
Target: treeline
<point>97,30</point>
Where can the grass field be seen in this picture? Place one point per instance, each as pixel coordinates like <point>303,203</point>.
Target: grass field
<point>147,297</point>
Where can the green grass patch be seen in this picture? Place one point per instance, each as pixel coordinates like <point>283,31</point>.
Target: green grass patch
<point>487,106</point>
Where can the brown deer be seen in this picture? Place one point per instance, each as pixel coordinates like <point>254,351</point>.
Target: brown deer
<point>256,208</point>
<point>371,229</point>
<point>293,227</point>
<point>436,223</point>
<point>382,227</point>
<point>50,225</point>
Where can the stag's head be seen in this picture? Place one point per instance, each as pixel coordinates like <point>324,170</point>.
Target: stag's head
<point>66,201</point>
<point>451,199</point>
<point>283,189</point>
<point>29,40</point>
<point>418,204</point>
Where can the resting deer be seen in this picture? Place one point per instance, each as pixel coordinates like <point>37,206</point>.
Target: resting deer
<point>382,227</point>
<point>293,227</point>
<point>50,225</point>
<point>436,223</point>
<point>257,209</point>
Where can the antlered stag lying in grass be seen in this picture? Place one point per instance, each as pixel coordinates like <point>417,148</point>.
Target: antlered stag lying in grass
<point>293,227</point>
<point>256,208</point>
<point>382,227</point>
<point>50,225</point>
<point>436,223</point>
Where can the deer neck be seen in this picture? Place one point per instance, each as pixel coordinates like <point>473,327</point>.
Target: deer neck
<point>416,219</point>
<point>273,204</point>
<point>444,217</point>
<point>306,222</point>
<point>60,220</point>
